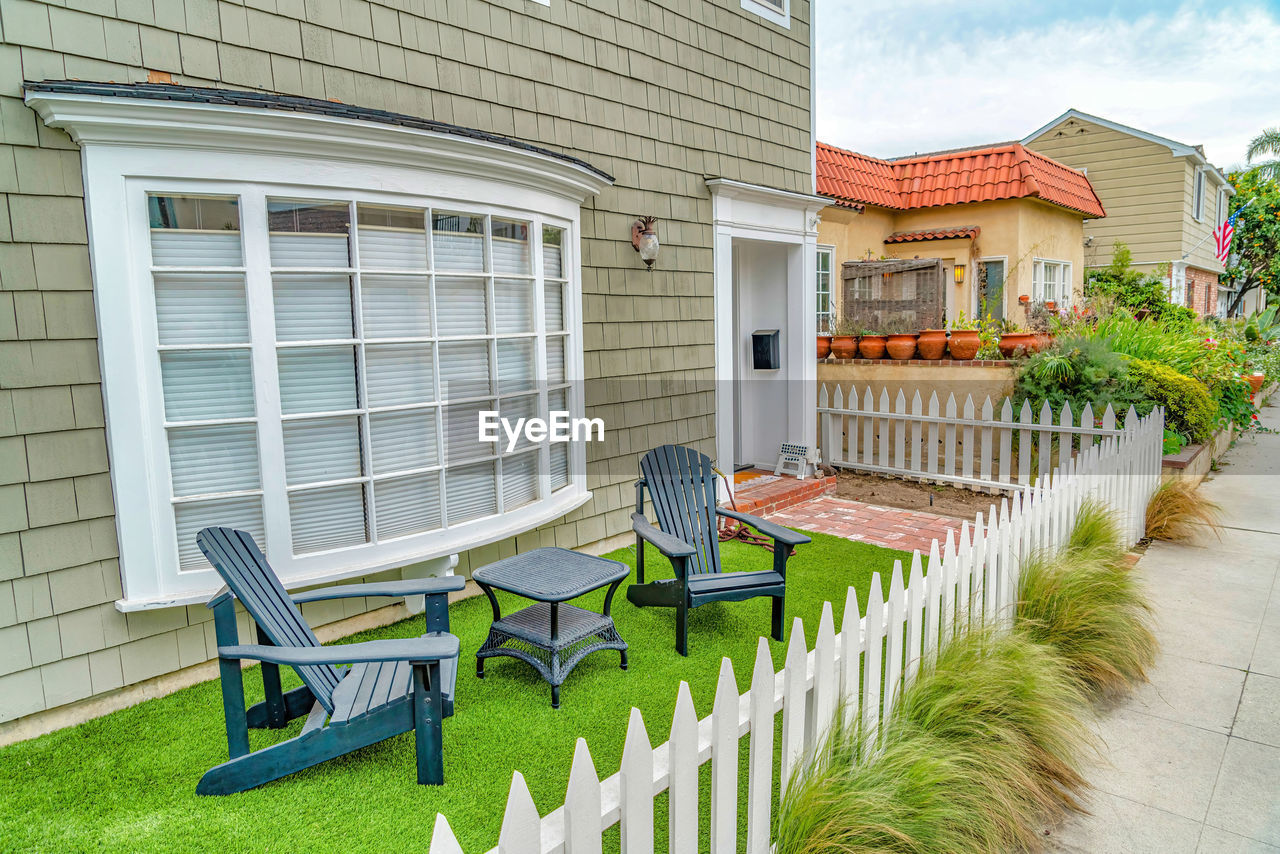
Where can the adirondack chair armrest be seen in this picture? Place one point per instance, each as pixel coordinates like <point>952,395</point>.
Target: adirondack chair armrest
<point>407,587</point>
<point>665,543</point>
<point>786,536</point>
<point>436,648</point>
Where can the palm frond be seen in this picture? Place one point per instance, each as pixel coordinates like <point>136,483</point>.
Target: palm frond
<point>1267,142</point>
<point>1268,170</point>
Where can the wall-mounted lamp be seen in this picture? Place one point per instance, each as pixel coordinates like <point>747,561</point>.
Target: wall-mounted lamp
<point>959,273</point>
<point>644,239</point>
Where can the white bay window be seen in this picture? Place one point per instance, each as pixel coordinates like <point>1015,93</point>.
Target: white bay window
<point>308,360</point>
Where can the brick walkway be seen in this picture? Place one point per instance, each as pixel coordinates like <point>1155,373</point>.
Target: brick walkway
<point>869,523</point>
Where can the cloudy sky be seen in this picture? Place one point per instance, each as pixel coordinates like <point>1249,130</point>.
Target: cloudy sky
<point>901,76</point>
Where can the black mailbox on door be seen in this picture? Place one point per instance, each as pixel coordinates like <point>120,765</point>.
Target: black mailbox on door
<point>764,350</point>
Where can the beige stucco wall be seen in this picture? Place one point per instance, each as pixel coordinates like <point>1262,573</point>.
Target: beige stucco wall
<point>1018,230</point>
<point>1146,191</point>
<point>660,95</point>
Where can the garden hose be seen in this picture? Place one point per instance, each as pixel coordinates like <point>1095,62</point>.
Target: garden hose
<point>732,529</point>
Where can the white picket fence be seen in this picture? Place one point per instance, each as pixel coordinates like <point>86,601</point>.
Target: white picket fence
<point>971,579</point>
<point>960,443</point>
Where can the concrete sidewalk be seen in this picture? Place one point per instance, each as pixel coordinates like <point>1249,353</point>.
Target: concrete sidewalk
<point>1192,760</point>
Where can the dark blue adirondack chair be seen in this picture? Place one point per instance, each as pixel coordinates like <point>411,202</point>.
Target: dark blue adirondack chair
<point>353,694</point>
<point>682,485</point>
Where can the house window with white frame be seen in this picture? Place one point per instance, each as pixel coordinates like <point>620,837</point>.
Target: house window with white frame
<point>1223,204</point>
<point>302,346</point>
<point>393,327</point>
<point>1197,196</point>
<point>1051,281</point>
<point>826,311</point>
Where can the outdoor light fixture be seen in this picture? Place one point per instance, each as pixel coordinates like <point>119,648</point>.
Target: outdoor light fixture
<point>959,274</point>
<point>644,239</point>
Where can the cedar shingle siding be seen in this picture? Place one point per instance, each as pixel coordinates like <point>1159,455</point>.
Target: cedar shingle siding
<point>658,94</point>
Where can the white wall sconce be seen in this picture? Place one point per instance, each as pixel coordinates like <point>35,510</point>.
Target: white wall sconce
<point>644,239</point>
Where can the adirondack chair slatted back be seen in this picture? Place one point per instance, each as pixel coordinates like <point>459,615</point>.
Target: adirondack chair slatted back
<point>682,485</point>
<point>244,567</point>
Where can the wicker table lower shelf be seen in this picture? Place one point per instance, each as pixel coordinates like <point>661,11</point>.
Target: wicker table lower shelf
<point>549,635</point>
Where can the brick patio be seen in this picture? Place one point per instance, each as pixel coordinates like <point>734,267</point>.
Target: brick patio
<point>869,523</point>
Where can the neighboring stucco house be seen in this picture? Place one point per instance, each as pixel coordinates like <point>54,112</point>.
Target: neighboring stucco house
<point>1163,200</point>
<point>265,268</point>
<point>1005,222</point>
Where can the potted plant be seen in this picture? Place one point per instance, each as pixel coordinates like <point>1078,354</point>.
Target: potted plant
<point>824,346</point>
<point>1042,319</point>
<point>965,339</point>
<point>1024,299</point>
<point>871,343</point>
<point>901,343</point>
<point>1013,342</point>
<point>844,340</point>
<point>932,343</point>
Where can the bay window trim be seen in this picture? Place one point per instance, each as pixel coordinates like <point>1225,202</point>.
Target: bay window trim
<point>131,149</point>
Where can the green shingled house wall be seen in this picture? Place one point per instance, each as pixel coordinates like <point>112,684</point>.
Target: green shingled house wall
<point>658,94</point>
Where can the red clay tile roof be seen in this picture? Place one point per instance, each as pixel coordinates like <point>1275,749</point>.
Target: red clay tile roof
<point>1008,171</point>
<point>852,180</point>
<point>934,234</point>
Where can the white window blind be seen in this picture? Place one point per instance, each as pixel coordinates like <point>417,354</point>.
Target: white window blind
<point>202,333</point>
<point>392,328</point>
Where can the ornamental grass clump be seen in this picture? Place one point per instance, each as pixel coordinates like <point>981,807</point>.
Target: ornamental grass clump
<point>1013,703</point>
<point>918,793</point>
<point>1089,607</point>
<point>1179,513</point>
<point>983,746</point>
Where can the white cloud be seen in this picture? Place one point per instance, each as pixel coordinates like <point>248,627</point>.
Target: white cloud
<point>895,78</point>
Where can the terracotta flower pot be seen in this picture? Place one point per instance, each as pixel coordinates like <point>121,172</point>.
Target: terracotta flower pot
<point>1012,342</point>
<point>1024,299</point>
<point>1051,305</point>
<point>824,346</point>
<point>1040,341</point>
<point>844,346</point>
<point>932,343</point>
<point>1256,381</point>
<point>964,343</point>
<point>872,346</point>
<point>902,346</point>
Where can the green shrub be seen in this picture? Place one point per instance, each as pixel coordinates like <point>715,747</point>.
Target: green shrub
<point>1125,287</point>
<point>1189,408</point>
<point>1076,371</point>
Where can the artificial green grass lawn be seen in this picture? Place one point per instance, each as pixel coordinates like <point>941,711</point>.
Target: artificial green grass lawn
<point>127,781</point>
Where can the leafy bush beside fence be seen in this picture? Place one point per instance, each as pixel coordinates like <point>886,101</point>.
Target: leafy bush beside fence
<point>1188,407</point>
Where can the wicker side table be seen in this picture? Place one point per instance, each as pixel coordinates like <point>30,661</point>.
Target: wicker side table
<point>549,635</point>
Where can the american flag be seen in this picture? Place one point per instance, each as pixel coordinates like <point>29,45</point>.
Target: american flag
<point>1222,236</point>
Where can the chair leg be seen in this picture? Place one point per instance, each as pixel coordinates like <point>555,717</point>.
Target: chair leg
<point>682,626</point>
<point>778,617</point>
<point>428,712</point>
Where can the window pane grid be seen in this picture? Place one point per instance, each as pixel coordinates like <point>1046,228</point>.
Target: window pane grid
<point>205,354</point>
<point>387,295</point>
